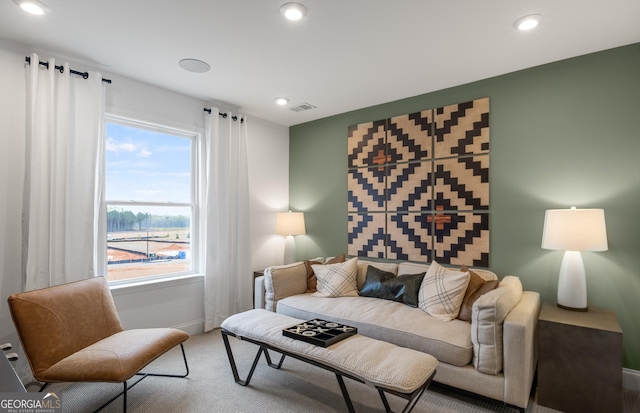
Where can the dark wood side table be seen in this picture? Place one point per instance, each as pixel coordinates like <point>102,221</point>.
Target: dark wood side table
<point>580,360</point>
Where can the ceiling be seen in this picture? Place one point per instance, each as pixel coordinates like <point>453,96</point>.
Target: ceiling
<point>345,55</point>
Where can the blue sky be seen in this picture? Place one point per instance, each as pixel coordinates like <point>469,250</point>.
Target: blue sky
<point>143,165</point>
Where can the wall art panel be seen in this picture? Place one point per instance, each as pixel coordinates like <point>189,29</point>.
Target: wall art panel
<point>409,237</point>
<point>367,144</point>
<point>409,137</point>
<point>462,238</point>
<point>410,186</point>
<point>367,189</point>
<point>462,184</point>
<point>462,129</point>
<point>367,235</point>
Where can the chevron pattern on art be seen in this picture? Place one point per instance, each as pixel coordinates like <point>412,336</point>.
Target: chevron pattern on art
<point>366,189</point>
<point>418,186</point>
<point>409,186</point>
<point>462,184</point>
<point>462,238</point>
<point>366,235</point>
<point>367,144</point>
<point>409,237</point>
<point>462,129</point>
<point>409,137</point>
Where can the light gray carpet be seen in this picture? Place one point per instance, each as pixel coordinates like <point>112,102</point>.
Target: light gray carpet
<point>297,387</point>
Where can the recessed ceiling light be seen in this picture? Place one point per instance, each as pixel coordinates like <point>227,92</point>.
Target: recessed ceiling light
<point>527,22</point>
<point>293,11</point>
<point>32,6</point>
<point>281,101</point>
<point>194,65</point>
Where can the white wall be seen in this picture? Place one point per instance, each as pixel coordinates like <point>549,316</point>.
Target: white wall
<point>12,104</point>
<point>178,303</point>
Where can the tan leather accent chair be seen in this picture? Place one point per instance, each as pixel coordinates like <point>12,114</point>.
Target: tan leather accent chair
<point>72,333</point>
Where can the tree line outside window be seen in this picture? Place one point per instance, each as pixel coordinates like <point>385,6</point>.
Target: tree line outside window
<point>119,220</point>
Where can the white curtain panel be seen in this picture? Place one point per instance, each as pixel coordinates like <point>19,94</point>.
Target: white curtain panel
<point>226,226</point>
<point>63,142</point>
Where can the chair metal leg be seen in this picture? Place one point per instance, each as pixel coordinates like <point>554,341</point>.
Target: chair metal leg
<point>144,376</point>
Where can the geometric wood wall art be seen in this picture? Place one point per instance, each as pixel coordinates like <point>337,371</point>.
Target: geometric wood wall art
<point>418,186</point>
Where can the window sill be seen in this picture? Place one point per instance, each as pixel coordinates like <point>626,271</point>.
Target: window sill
<point>141,286</point>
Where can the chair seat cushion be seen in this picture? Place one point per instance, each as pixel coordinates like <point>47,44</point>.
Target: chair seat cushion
<point>116,358</point>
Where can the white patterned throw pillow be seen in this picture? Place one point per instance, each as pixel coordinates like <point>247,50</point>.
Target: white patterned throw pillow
<point>442,291</point>
<point>337,280</point>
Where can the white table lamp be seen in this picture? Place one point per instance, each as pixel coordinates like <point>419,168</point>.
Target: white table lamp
<point>290,224</point>
<point>574,230</point>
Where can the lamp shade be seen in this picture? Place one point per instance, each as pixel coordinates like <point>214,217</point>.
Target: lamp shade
<point>290,223</point>
<point>574,230</point>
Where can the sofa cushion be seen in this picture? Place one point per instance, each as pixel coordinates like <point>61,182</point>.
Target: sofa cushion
<point>336,280</point>
<point>312,281</point>
<point>411,268</point>
<point>282,281</point>
<point>477,287</point>
<point>385,285</point>
<point>390,321</point>
<point>442,291</point>
<point>363,265</point>
<point>489,312</point>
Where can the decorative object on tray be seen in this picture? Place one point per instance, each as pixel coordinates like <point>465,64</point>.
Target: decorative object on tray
<point>322,333</point>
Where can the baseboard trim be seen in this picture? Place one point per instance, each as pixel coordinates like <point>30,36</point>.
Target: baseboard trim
<point>631,379</point>
<point>192,327</point>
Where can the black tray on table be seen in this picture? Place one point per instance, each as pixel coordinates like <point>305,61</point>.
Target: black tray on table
<point>322,333</point>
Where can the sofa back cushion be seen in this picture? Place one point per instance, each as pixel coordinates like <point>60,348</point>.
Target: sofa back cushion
<point>411,268</point>
<point>282,281</point>
<point>487,319</point>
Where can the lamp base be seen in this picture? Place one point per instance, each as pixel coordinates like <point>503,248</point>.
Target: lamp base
<point>585,309</point>
<point>572,284</point>
<point>289,250</point>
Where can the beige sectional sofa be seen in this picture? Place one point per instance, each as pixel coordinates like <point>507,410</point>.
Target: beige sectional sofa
<point>494,355</point>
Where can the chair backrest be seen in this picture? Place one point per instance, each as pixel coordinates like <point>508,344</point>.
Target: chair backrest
<point>55,322</point>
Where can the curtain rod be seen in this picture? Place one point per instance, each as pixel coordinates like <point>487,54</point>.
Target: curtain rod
<point>84,75</point>
<point>224,115</point>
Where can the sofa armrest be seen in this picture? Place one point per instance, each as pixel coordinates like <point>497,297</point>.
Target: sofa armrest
<point>284,281</point>
<point>259,292</point>
<point>520,348</point>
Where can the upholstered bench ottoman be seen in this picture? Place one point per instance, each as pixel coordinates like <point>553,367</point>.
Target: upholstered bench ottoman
<point>389,368</point>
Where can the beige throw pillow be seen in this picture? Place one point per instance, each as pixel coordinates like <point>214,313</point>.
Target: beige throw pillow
<point>442,291</point>
<point>311,276</point>
<point>337,280</point>
<point>477,287</point>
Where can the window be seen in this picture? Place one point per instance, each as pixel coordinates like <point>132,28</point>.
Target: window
<point>149,200</point>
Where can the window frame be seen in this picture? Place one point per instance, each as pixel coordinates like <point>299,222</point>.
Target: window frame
<point>194,204</point>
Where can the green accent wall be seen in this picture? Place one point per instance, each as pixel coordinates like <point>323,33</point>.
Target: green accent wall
<point>562,134</point>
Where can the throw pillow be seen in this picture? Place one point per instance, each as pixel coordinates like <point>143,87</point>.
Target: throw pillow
<point>337,280</point>
<point>442,291</point>
<point>312,281</point>
<point>385,285</point>
<point>477,287</point>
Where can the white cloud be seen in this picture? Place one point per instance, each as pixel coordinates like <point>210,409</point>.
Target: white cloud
<point>114,146</point>
<point>143,154</point>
